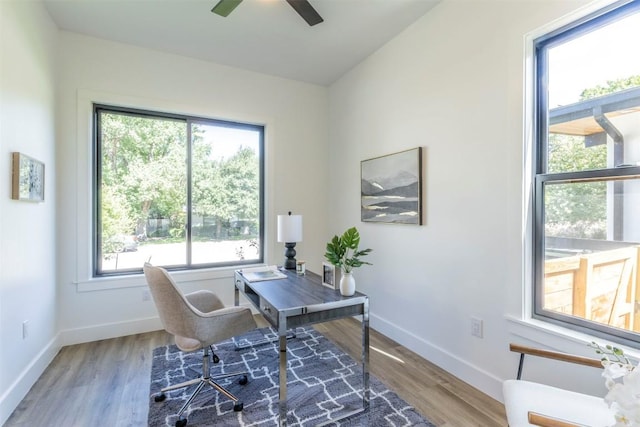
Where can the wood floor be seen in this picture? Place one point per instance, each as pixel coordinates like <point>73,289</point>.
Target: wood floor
<point>106,383</point>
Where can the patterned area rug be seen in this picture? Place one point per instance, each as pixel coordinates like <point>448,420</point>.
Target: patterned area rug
<point>322,381</point>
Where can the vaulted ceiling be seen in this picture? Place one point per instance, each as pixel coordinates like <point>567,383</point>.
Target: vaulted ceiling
<point>265,36</point>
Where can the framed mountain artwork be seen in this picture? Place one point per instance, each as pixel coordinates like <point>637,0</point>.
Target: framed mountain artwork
<point>391,188</point>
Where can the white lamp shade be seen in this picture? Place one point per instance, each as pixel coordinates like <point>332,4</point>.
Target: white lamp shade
<point>289,228</point>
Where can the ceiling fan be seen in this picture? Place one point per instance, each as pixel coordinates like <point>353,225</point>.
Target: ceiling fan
<point>303,7</point>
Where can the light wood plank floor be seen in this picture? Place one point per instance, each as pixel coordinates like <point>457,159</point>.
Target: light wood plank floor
<point>106,383</point>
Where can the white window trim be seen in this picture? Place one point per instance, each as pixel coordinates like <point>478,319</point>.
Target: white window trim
<point>84,280</point>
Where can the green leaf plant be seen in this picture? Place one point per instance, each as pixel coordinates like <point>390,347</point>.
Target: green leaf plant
<point>343,251</point>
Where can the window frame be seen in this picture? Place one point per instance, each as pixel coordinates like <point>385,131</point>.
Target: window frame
<point>189,121</point>
<point>540,178</point>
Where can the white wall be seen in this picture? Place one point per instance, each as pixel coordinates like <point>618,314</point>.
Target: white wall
<point>27,230</point>
<point>453,83</point>
<point>93,70</point>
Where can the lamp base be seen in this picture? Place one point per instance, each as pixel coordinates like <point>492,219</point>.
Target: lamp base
<point>290,254</point>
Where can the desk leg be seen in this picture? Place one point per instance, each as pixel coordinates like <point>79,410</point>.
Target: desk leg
<point>282,400</point>
<point>365,355</point>
<point>236,296</point>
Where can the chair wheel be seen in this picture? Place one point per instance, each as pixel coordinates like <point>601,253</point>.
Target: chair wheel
<point>181,422</point>
<point>238,406</point>
<point>216,359</point>
<point>243,380</point>
<point>159,397</point>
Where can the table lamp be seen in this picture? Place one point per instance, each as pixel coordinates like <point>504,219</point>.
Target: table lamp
<point>290,232</point>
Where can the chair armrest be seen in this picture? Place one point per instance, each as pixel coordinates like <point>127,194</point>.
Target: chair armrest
<point>580,360</point>
<point>224,323</point>
<point>544,421</point>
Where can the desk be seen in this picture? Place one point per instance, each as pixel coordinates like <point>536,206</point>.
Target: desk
<point>299,301</point>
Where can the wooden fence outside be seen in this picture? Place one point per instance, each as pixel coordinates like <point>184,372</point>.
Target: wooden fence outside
<point>602,286</point>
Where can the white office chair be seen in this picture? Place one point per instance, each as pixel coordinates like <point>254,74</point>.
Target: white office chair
<point>532,404</point>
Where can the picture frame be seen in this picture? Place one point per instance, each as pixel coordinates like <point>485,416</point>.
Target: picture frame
<point>27,178</point>
<point>391,188</point>
<point>330,276</point>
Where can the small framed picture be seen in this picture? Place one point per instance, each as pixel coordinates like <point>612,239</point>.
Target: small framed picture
<point>28,179</point>
<point>330,276</point>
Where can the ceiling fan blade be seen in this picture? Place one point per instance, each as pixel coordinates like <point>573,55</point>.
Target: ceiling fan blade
<point>225,7</point>
<point>308,13</point>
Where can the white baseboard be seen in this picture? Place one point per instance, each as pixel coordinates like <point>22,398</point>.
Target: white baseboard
<point>455,365</point>
<point>12,396</point>
<point>109,330</point>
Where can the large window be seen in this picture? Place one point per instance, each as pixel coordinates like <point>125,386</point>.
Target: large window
<point>587,175</point>
<point>178,191</point>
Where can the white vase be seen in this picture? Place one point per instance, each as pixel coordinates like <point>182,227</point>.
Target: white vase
<point>347,284</point>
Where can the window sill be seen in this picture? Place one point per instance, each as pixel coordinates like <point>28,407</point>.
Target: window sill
<point>559,338</point>
<point>138,280</point>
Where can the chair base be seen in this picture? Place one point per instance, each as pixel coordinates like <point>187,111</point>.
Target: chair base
<point>202,381</point>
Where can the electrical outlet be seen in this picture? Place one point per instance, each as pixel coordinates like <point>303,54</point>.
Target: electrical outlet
<point>476,327</point>
<point>146,295</point>
<point>25,329</point>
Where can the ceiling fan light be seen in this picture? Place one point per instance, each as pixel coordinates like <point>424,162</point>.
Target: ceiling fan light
<point>225,7</point>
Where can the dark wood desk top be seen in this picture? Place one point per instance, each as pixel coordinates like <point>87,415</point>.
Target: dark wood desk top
<point>298,295</point>
<point>299,291</point>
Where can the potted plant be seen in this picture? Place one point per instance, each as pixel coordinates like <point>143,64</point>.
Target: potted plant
<point>343,253</point>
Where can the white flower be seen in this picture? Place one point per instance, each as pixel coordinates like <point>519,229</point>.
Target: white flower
<point>623,382</point>
<point>626,396</point>
<point>613,370</point>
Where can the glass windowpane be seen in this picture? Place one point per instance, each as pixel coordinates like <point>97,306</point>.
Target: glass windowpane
<point>226,190</point>
<point>591,251</point>
<point>143,191</point>
<point>591,98</point>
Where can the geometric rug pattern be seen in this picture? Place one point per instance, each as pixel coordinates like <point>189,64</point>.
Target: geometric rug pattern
<point>322,382</point>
